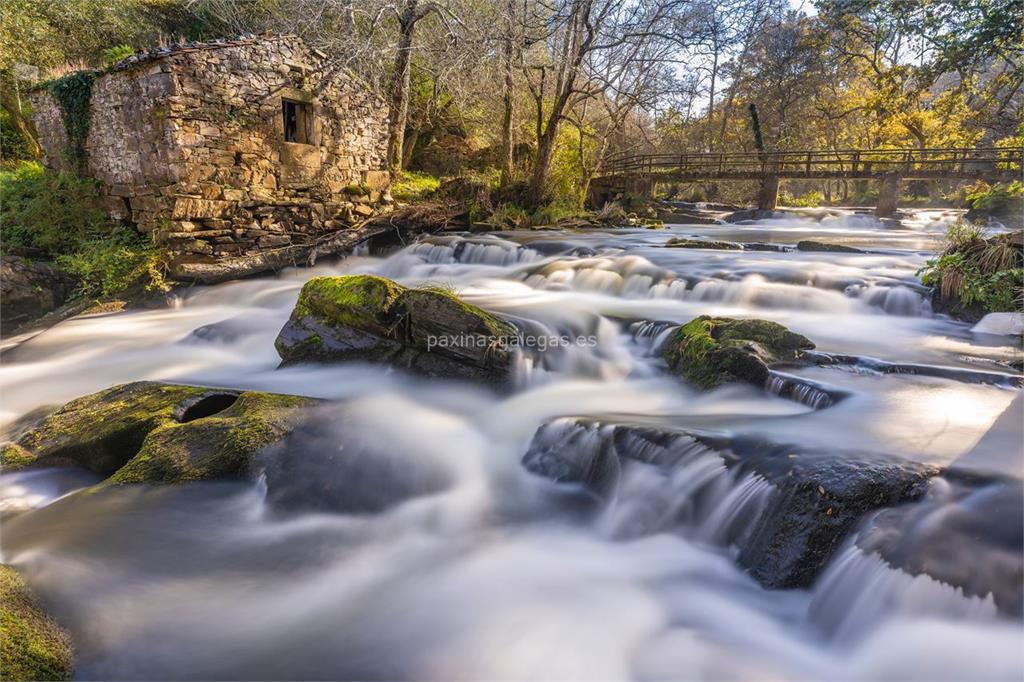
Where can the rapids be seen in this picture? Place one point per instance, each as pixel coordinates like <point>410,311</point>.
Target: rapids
<point>490,572</point>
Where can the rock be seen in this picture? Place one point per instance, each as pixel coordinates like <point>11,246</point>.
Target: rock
<point>785,538</point>
<point>811,245</point>
<point>708,351</point>
<point>818,502</point>
<point>427,331</point>
<point>1001,324</point>
<point>30,289</point>
<point>968,532</point>
<point>32,645</point>
<point>327,466</point>
<point>754,214</point>
<point>682,243</point>
<point>158,433</point>
<point>684,217</point>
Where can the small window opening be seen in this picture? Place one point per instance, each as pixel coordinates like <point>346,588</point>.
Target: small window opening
<point>297,121</point>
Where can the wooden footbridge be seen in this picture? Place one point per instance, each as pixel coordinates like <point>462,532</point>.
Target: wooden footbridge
<point>640,172</point>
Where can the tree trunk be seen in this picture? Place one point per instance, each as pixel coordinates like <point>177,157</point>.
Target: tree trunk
<point>400,88</point>
<point>11,103</point>
<point>506,119</point>
<point>540,190</point>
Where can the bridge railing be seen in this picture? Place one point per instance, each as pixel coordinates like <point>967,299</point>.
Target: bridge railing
<point>954,161</point>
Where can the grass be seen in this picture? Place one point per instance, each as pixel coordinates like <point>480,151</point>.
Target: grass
<point>414,186</point>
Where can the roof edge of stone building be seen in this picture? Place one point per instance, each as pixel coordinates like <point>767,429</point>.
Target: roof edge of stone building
<point>157,53</point>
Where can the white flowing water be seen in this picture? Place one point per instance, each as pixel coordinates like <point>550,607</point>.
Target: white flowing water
<point>496,573</point>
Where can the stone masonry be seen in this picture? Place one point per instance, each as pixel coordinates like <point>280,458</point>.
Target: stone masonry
<point>230,148</point>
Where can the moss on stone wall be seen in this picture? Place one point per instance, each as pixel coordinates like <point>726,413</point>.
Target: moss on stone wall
<point>74,96</point>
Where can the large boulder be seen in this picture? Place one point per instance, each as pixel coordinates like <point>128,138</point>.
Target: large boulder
<point>32,645</point>
<point>426,331</point>
<point>709,351</point>
<point>808,504</point>
<point>158,433</point>
<point>819,501</point>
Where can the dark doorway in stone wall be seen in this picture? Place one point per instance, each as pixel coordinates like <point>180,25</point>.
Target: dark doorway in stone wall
<point>297,121</point>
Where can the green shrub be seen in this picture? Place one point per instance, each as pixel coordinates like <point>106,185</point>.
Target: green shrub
<point>114,54</point>
<point>414,186</point>
<point>986,199</point>
<point>811,199</point>
<point>53,212</point>
<point>60,215</point>
<point>979,272</point>
<point>510,214</point>
<point>549,214</point>
<point>112,263</point>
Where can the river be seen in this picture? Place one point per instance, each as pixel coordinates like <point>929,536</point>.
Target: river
<point>485,571</point>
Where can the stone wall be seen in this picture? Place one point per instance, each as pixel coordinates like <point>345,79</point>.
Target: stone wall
<point>189,144</point>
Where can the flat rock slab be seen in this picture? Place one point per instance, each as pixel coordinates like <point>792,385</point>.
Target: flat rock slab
<point>681,243</point>
<point>811,245</point>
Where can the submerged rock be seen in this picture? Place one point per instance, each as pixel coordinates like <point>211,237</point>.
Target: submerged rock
<point>709,351</point>
<point>682,243</point>
<point>819,501</point>
<point>427,331</point>
<point>811,245</point>
<point>786,510</point>
<point>755,214</point>
<point>32,645</point>
<point>148,432</point>
<point>968,532</point>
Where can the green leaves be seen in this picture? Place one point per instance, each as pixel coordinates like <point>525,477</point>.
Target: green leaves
<point>74,95</point>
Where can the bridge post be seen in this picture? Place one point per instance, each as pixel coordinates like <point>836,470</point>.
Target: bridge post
<point>888,195</point>
<point>768,193</point>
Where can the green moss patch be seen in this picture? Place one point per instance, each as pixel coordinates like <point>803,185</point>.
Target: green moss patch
<point>144,433</point>
<point>32,645</point>
<point>218,446</point>
<point>709,351</point>
<point>429,331</point>
<point>363,301</point>
<point>101,431</point>
<point>683,243</point>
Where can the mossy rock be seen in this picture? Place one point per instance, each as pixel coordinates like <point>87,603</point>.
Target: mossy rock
<point>811,245</point>
<point>13,457</point>
<point>710,351</point>
<point>32,645</point>
<point>219,446</point>
<point>102,430</point>
<point>147,432</point>
<point>683,243</point>
<point>428,331</point>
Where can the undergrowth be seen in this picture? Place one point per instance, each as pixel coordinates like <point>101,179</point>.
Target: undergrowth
<point>58,216</point>
<point>979,272</point>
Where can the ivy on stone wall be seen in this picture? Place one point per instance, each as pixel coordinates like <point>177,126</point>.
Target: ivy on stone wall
<point>73,94</point>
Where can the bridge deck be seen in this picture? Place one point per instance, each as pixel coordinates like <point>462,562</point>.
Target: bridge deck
<point>988,162</point>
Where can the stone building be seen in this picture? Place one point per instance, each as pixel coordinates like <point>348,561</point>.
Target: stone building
<point>228,148</point>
